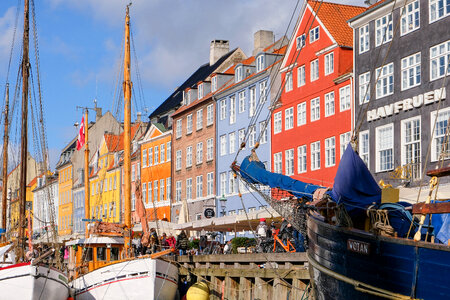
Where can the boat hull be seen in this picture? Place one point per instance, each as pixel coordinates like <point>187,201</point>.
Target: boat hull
<point>353,264</point>
<point>141,278</point>
<point>24,281</point>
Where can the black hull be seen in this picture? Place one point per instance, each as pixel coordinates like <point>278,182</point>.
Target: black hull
<point>353,264</point>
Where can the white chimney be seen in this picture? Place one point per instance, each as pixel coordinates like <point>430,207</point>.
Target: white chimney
<point>262,39</point>
<point>218,49</point>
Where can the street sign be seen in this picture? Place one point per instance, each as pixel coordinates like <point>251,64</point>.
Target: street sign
<point>91,220</point>
<point>209,213</point>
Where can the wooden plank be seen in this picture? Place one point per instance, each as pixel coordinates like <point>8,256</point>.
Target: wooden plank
<point>297,257</point>
<point>263,273</point>
<point>431,208</point>
<point>245,289</point>
<point>445,171</point>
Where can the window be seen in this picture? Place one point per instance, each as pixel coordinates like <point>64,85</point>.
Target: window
<point>133,176</point>
<point>364,40</point>
<point>410,71</point>
<point>189,124</point>
<point>439,9</point>
<point>199,119</point>
<point>289,162</point>
<point>314,34</point>
<point>262,91</point>
<point>252,137</point>
<point>344,98</point>
<point>209,149</point>
<point>301,159</point>
<point>209,115</point>
<point>263,132</point>
<point>144,158</point>
<point>384,148</point>
<point>150,156</point>
<point>210,184</point>
<point>344,139</point>
<point>114,253</point>
<point>383,30</point>
<point>301,114</point>
<point>161,189</point>
<point>101,253</point>
<point>252,102</point>
<point>223,109</point>
<point>189,157</point>
<point>200,91</point>
<point>277,122</point>
<point>301,78</point>
<point>169,187</point>
<point>239,73</point>
<point>223,183</point>
<point>411,152</point>
<point>178,160</point>
<point>364,88</point>
<point>385,83</point>
<point>155,191</point>
<point>133,203</point>
<point>241,137</point>
<point>300,41</point>
<point>315,155</point>
<point>410,19</point>
<point>150,189</point>
<point>439,59</point>
<point>156,155</point>
<point>163,152</point>
<point>260,63</point>
<point>189,189</point>
<point>277,163</point>
<point>178,191</point>
<point>115,182</point>
<point>199,156</point>
<point>178,128</point>
<point>169,150</point>
<point>232,184</point>
<point>439,138</point>
<point>329,63</point>
<point>329,104</point>
<point>241,102</point>
<point>199,187</point>
<point>223,145</point>
<point>232,110</point>
<point>232,139</point>
<point>315,109</point>
<point>314,70</point>
<point>288,82</point>
<point>289,118</point>
<point>364,146</point>
<point>214,84</point>
<point>330,152</point>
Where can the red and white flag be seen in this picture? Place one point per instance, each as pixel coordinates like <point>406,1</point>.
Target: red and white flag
<point>80,140</point>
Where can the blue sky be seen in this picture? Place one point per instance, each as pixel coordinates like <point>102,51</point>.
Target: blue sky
<point>80,48</point>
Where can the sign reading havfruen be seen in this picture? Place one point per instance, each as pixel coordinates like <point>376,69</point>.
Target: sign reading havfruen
<point>406,104</point>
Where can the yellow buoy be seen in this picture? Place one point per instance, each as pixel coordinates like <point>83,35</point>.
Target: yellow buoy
<point>198,291</point>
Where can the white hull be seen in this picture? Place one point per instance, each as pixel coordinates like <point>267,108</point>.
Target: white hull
<point>140,278</point>
<point>24,281</point>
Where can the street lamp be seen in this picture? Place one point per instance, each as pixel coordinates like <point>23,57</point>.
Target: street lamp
<point>223,204</point>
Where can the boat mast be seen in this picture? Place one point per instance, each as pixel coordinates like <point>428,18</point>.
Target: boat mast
<point>127,136</point>
<point>5,161</point>
<point>24,150</point>
<point>87,208</point>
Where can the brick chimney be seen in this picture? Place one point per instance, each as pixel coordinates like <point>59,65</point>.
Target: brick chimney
<point>218,49</point>
<point>98,113</point>
<point>262,39</point>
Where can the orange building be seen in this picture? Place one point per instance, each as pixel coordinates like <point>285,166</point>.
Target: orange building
<point>156,167</point>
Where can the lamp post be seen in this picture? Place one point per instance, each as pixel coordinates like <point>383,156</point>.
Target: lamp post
<point>223,204</point>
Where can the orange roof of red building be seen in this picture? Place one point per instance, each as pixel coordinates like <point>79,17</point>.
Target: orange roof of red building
<point>115,142</point>
<point>334,17</point>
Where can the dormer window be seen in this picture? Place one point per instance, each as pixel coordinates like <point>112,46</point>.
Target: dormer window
<point>200,91</point>
<point>301,41</point>
<point>184,98</point>
<point>214,84</point>
<point>260,63</point>
<point>314,34</point>
<point>188,97</point>
<point>238,73</point>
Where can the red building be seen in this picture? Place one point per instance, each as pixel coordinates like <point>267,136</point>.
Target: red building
<point>312,124</point>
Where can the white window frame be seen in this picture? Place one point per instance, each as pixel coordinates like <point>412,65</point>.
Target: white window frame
<point>262,91</point>
<point>378,148</point>
<point>364,88</point>
<point>289,162</point>
<point>383,30</point>
<point>241,95</point>
<point>440,132</point>
<point>214,84</point>
<point>300,41</point>
<point>385,83</point>
<point>178,189</point>
<point>414,142</point>
<point>199,186</point>
<point>277,162</point>
<point>263,132</point>
<point>178,159</point>
<point>364,147</point>
<point>301,76</point>
<point>315,155</point>
<point>199,119</point>
<point>223,109</point>
<point>410,18</point>
<point>199,153</point>
<point>189,124</point>
<point>329,63</point>
<point>161,189</point>
<point>232,142</point>
<point>156,153</point>
<point>277,122</point>
<point>223,183</point>
<point>411,71</point>
<point>314,72</point>
<point>209,115</point>
<point>232,109</point>
<point>189,189</point>
<point>188,156</point>
<point>179,127</point>
<point>344,139</point>
<point>302,159</point>
<point>364,39</point>
<point>434,9</point>
<point>241,137</point>
<point>289,83</point>
<point>314,34</point>
<point>329,104</point>
<point>209,149</point>
<point>169,151</point>
<point>210,184</point>
<point>252,102</point>
<point>223,145</point>
<point>438,54</point>
<point>345,98</point>
<point>200,91</point>
<point>239,73</point>
<point>144,158</point>
<point>252,136</point>
<point>260,63</point>
<point>315,109</point>
<point>330,152</point>
<point>301,114</point>
<point>289,118</point>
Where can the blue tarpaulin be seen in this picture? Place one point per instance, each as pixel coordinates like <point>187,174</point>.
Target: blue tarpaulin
<point>441,224</point>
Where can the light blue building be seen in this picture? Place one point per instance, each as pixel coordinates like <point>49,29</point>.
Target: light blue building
<point>255,84</point>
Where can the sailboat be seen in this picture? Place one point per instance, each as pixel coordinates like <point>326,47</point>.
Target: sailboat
<point>100,274</point>
<point>21,275</point>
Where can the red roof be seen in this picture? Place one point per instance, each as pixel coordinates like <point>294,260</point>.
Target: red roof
<point>115,142</point>
<point>334,17</point>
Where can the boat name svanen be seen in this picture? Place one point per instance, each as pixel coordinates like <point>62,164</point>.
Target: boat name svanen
<point>358,247</point>
<point>406,104</point>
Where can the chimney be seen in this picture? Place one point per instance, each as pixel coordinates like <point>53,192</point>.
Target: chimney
<point>218,49</point>
<point>262,39</point>
<point>98,113</point>
<point>138,118</point>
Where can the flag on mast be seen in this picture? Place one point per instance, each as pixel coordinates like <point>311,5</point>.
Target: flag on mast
<point>80,140</point>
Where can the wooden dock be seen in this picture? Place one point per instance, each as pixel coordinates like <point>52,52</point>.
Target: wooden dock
<point>248,276</point>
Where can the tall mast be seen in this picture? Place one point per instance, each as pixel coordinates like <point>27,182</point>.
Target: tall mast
<point>24,150</point>
<point>127,135</point>
<point>87,208</point>
<point>5,161</point>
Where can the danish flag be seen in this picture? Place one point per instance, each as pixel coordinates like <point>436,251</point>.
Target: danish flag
<point>80,140</point>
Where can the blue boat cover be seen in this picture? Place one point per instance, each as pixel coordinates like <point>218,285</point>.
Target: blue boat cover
<point>353,184</point>
<point>441,224</point>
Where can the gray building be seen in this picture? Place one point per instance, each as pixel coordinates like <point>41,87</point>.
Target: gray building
<point>401,49</point>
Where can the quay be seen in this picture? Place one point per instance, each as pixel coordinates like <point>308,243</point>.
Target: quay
<point>248,276</point>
